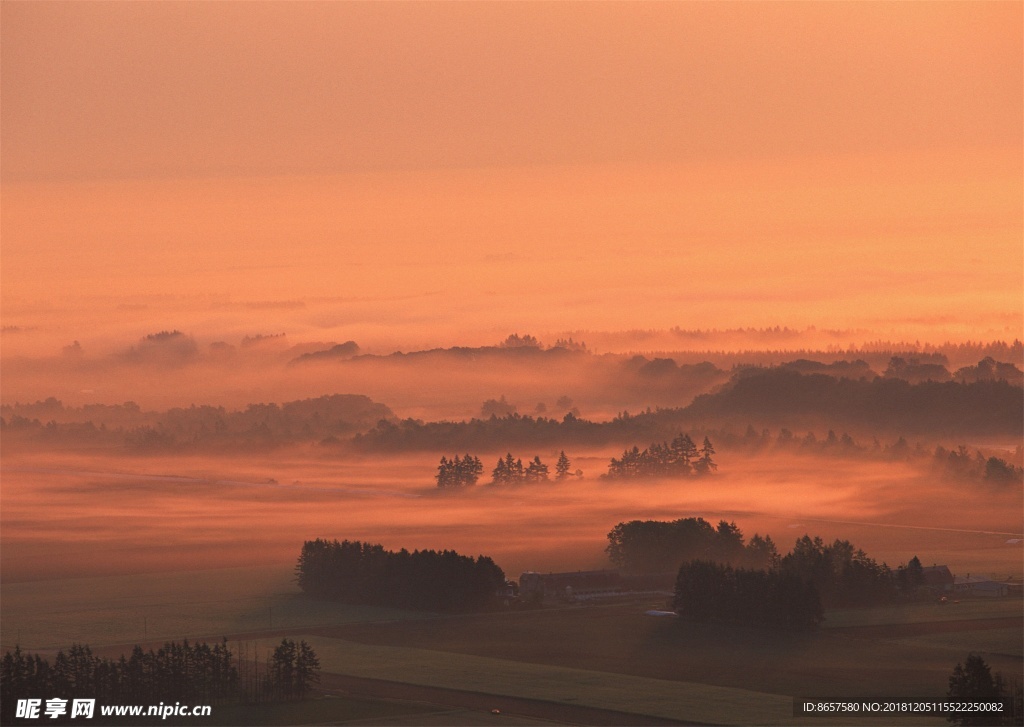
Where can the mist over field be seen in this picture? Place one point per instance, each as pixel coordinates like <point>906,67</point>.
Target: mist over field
<point>73,515</point>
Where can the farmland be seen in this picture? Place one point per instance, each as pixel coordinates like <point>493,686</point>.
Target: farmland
<point>609,658</point>
<point>828,664</point>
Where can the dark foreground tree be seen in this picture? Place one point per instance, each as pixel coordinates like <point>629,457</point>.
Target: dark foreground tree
<point>294,669</point>
<point>972,682</point>
<point>709,591</point>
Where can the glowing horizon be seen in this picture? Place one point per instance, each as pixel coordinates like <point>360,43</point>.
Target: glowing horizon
<point>414,175</point>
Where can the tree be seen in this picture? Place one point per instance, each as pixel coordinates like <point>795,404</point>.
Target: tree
<point>500,474</point>
<point>683,450</point>
<point>912,577</point>
<point>972,682</point>
<point>497,408</point>
<point>1000,472</point>
<point>704,465</point>
<point>536,471</point>
<point>282,669</point>
<point>307,669</point>
<point>444,473</point>
<point>562,466</point>
<point>294,668</point>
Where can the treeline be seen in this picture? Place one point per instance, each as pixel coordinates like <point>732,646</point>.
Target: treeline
<point>960,464</point>
<point>187,673</point>
<point>800,395</point>
<point>178,672</point>
<point>761,397</point>
<point>427,580</point>
<point>709,591</point>
<point>881,404</point>
<point>842,574</point>
<point>681,458</point>
<point>326,418</point>
<point>954,464</point>
<point>461,472</point>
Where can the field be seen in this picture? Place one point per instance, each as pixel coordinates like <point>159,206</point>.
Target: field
<point>829,664</point>
<point>223,536</point>
<point>597,689</point>
<point>52,614</point>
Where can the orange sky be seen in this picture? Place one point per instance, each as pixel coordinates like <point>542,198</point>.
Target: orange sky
<point>452,171</point>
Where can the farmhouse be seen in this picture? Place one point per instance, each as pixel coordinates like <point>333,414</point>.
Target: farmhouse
<point>568,586</point>
<point>938,577</point>
<point>587,585</point>
<point>980,586</point>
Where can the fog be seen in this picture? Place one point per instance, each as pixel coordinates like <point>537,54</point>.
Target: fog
<point>68,515</point>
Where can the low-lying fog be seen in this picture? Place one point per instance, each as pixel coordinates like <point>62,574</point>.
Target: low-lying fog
<point>67,515</point>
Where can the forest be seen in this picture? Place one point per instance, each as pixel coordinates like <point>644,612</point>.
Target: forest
<point>425,580</point>
<point>842,574</point>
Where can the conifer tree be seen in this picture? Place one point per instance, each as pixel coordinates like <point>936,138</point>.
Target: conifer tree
<point>562,466</point>
<point>536,471</point>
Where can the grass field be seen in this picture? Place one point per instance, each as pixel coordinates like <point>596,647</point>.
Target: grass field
<point>828,664</point>
<point>1002,642</point>
<point>602,690</point>
<point>924,612</point>
<point>47,615</point>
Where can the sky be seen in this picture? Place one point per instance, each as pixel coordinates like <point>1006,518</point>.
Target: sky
<point>409,173</point>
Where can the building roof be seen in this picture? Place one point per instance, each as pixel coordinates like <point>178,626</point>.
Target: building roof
<point>936,574</point>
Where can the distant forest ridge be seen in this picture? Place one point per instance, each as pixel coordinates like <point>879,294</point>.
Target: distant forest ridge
<point>722,347</point>
<point>875,353</point>
<point>783,339</point>
<point>323,418</point>
<point>778,398</point>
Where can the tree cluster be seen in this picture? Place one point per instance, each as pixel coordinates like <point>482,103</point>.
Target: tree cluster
<point>709,591</point>
<point>842,574</point>
<point>294,669</point>
<point>177,672</point>
<point>428,580</point>
<point>845,575</point>
<point>962,465</point>
<point>510,471</point>
<point>456,472</point>
<point>462,472</point>
<point>681,458</point>
<point>653,546</point>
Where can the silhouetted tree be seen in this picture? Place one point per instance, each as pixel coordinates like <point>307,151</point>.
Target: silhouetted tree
<point>705,465</point>
<point>458,472</point>
<point>562,467</point>
<point>972,681</point>
<point>294,668</point>
<point>536,471</point>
